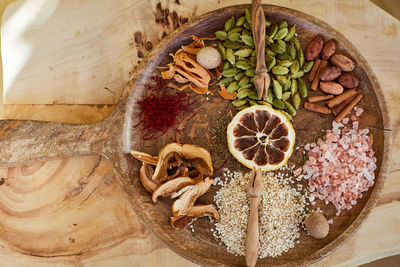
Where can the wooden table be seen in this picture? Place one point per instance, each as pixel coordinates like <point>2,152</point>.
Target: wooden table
<point>70,64</point>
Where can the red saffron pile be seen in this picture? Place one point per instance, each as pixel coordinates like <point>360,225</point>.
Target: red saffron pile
<point>159,110</point>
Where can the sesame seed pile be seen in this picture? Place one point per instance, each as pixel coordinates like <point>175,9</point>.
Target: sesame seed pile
<point>281,212</point>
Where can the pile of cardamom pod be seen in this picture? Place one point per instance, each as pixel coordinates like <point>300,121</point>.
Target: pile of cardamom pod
<point>283,57</point>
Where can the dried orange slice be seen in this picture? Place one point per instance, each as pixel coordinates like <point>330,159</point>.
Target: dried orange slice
<point>261,137</point>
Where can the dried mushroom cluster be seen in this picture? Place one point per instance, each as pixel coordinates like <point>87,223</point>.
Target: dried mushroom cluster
<point>178,172</point>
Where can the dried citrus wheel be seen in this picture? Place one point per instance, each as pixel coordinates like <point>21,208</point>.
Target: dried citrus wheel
<point>261,137</point>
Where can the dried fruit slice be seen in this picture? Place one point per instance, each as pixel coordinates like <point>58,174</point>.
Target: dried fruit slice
<point>261,137</point>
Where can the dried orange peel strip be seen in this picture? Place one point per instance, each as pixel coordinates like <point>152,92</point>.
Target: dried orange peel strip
<point>225,94</point>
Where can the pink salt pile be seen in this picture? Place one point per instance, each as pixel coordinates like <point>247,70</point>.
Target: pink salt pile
<point>340,166</point>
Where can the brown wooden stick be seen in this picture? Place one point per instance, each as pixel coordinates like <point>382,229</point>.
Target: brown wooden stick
<point>318,98</point>
<point>348,108</point>
<point>317,108</point>
<point>315,82</point>
<point>338,108</point>
<point>252,237</point>
<point>261,79</point>
<point>340,98</point>
<point>314,70</point>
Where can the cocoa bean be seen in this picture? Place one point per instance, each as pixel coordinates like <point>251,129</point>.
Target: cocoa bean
<point>348,80</point>
<point>331,88</point>
<point>314,48</point>
<point>330,73</point>
<point>329,49</point>
<point>343,62</point>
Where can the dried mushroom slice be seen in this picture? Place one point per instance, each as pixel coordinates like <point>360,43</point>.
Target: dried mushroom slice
<point>145,175</point>
<point>193,213</point>
<point>170,187</point>
<point>181,154</point>
<point>187,199</point>
<point>261,137</point>
<point>144,157</point>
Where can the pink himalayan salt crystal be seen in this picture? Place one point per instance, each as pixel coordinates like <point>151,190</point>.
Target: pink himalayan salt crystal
<point>341,166</point>
<point>298,171</point>
<point>359,111</point>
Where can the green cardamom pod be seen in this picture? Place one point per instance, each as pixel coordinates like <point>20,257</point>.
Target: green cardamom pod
<point>229,24</point>
<point>291,33</point>
<point>242,93</point>
<point>253,95</point>
<point>232,87</point>
<point>252,102</point>
<point>271,64</point>
<point>254,53</point>
<point>302,88</point>
<point>250,72</point>
<point>277,103</point>
<point>295,67</point>
<point>235,30</point>
<point>239,102</point>
<point>243,65</point>
<point>293,87</point>
<point>239,76</point>
<point>296,43</point>
<point>308,66</point>
<point>276,86</point>
<point>300,58</point>
<point>281,79</point>
<point>287,85</point>
<point>287,115</point>
<point>221,50</point>
<point>247,26</point>
<point>290,109</point>
<point>240,21</point>
<point>243,52</point>
<point>229,72</point>
<point>281,34</point>
<point>264,103</point>
<point>285,63</point>
<point>270,96</point>
<point>267,22</point>
<point>253,61</point>
<point>226,80</point>
<point>279,47</point>
<point>243,81</point>
<point>284,56</point>
<point>248,40</point>
<point>230,56</point>
<point>221,35</point>
<point>247,86</point>
<point>233,45</point>
<point>296,101</point>
<point>286,95</point>
<point>269,52</point>
<point>279,70</point>
<point>297,74</point>
<point>272,31</point>
<point>283,24</point>
<point>246,32</point>
<point>291,51</point>
<point>242,107</point>
<point>226,65</point>
<point>247,14</point>
<point>234,36</point>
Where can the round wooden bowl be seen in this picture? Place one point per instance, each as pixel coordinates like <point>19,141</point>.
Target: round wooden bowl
<point>116,135</point>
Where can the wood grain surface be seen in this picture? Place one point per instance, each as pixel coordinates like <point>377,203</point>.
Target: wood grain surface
<point>378,237</point>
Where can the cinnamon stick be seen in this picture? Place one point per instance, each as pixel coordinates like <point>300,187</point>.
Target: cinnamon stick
<point>319,98</point>
<point>348,108</point>
<point>317,108</point>
<point>315,82</point>
<point>342,97</point>
<point>314,70</point>
<point>338,108</point>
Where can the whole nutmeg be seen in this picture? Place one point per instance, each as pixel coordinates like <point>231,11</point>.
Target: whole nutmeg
<point>317,225</point>
<point>208,57</point>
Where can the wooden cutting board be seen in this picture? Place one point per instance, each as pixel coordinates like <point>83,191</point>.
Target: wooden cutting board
<point>78,180</point>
